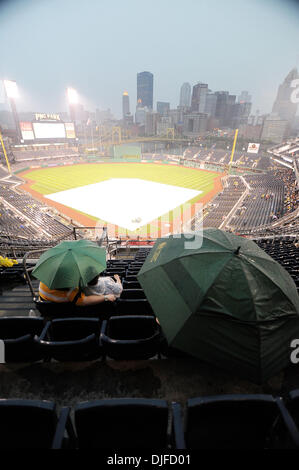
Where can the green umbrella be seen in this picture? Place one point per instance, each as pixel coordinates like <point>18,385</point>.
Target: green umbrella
<point>70,264</point>
<point>227,302</point>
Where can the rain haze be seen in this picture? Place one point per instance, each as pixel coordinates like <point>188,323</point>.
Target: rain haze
<point>98,47</point>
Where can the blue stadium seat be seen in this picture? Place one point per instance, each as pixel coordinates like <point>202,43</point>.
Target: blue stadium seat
<point>131,278</point>
<point>239,422</point>
<point>122,423</point>
<point>31,424</point>
<point>133,307</point>
<point>51,310</point>
<point>70,339</point>
<point>131,285</point>
<point>130,337</point>
<point>133,294</point>
<point>17,334</point>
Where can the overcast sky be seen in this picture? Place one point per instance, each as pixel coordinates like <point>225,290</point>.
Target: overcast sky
<point>98,47</point>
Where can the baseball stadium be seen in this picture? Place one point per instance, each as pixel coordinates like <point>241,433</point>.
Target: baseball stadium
<point>149,260</point>
<point>131,203</point>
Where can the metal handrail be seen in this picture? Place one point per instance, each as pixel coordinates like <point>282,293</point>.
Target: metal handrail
<point>27,271</point>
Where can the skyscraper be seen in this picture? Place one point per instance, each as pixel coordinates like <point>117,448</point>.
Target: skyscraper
<point>145,87</point>
<point>126,104</point>
<point>163,107</point>
<point>244,97</point>
<point>275,129</point>
<point>210,107</point>
<point>185,95</point>
<point>283,105</point>
<point>224,108</point>
<point>195,124</point>
<point>240,114</point>
<point>198,101</point>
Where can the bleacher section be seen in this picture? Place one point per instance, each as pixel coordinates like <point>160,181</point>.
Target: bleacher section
<point>35,153</point>
<point>217,211</point>
<point>285,251</point>
<point>263,204</point>
<point>268,198</point>
<point>32,213</point>
<point>222,157</point>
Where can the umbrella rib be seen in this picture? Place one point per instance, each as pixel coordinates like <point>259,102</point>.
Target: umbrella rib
<point>220,242</point>
<point>249,286</point>
<point>212,284</point>
<point>267,274</point>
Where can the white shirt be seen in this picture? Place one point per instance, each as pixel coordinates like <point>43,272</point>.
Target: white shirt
<point>104,286</point>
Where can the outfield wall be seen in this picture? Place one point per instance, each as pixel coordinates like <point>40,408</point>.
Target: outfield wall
<point>123,157</point>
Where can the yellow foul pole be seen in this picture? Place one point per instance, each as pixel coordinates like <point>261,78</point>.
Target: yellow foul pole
<point>233,149</point>
<point>5,154</point>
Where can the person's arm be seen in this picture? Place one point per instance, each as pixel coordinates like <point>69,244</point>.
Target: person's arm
<point>117,278</point>
<point>96,299</point>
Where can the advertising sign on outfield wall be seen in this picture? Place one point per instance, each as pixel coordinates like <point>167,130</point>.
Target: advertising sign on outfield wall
<point>26,130</point>
<point>253,148</point>
<point>70,130</point>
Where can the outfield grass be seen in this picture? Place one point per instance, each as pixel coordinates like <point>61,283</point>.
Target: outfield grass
<point>51,180</point>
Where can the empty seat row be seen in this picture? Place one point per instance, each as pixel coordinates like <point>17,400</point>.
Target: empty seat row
<point>29,339</point>
<point>219,422</point>
<point>128,304</point>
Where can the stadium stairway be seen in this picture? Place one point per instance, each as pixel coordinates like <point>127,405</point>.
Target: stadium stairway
<point>18,301</point>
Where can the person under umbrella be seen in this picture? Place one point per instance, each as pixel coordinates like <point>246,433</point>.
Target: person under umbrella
<point>223,300</point>
<point>67,268</point>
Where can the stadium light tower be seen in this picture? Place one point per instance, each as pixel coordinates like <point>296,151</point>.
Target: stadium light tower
<point>12,93</point>
<point>73,100</point>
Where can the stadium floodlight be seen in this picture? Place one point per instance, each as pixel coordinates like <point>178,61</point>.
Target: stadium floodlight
<point>72,95</point>
<point>11,89</point>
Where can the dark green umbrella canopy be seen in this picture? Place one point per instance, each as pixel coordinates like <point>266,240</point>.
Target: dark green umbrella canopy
<point>70,264</point>
<point>222,301</point>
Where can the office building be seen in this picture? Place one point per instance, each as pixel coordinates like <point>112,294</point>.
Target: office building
<point>224,108</point>
<point>195,124</point>
<point>244,97</point>
<point>163,124</point>
<point>275,129</point>
<point>145,87</point>
<point>185,95</point>
<point>140,115</point>
<point>198,101</point>
<point>126,104</point>
<point>151,120</point>
<point>163,108</point>
<point>210,107</point>
<point>240,114</point>
<point>283,105</point>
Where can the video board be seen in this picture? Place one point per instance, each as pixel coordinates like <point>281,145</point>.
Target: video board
<point>49,130</point>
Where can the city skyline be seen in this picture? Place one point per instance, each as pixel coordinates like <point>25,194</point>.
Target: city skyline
<point>47,54</point>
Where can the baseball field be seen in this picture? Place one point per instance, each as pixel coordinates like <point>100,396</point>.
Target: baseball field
<point>129,196</point>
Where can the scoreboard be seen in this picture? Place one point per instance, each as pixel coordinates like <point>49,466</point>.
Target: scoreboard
<point>47,126</point>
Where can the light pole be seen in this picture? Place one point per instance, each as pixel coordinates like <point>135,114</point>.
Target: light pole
<point>73,101</point>
<point>5,154</point>
<point>12,93</point>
